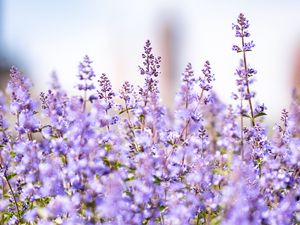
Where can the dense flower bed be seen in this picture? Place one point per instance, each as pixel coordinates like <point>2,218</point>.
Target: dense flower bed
<point>108,157</point>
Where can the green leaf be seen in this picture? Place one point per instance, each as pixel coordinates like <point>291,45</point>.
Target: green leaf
<point>162,208</point>
<point>6,217</point>
<point>13,154</point>
<point>158,220</point>
<point>128,193</point>
<point>130,178</point>
<point>157,180</point>
<point>130,170</point>
<point>245,115</point>
<point>142,117</point>
<point>215,221</point>
<point>105,161</point>
<point>11,176</point>
<point>146,221</point>
<point>260,114</point>
<point>223,151</point>
<point>170,142</point>
<point>42,202</point>
<point>64,159</point>
<point>125,110</point>
<point>116,165</point>
<point>134,127</point>
<point>259,161</point>
<point>173,144</point>
<point>220,171</point>
<point>107,147</point>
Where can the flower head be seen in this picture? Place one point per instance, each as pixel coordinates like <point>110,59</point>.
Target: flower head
<point>205,82</point>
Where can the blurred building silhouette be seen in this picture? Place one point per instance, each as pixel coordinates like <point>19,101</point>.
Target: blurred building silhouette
<point>168,42</point>
<point>4,64</point>
<point>296,71</point>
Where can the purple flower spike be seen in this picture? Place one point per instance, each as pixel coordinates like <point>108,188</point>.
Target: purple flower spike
<point>151,64</point>
<point>125,159</point>
<point>86,75</point>
<point>244,72</point>
<point>105,88</point>
<point>208,77</point>
<point>241,31</point>
<point>86,71</point>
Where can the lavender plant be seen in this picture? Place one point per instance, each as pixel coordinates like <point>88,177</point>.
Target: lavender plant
<point>108,157</point>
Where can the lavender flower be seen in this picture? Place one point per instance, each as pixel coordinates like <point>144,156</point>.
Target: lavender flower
<point>244,71</point>
<point>151,64</point>
<point>134,162</point>
<point>22,105</point>
<point>243,203</point>
<point>241,26</point>
<point>105,93</point>
<point>86,75</point>
<point>208,77</point>
<point>150,69</point>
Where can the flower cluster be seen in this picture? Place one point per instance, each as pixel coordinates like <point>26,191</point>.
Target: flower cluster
<point>120,157</point>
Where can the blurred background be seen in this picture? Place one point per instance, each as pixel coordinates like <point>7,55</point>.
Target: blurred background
<point>42,36</point>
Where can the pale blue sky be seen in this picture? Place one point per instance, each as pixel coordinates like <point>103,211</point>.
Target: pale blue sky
<point>56,34</point>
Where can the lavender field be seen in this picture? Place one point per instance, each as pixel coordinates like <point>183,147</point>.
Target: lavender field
<point>120,157</point>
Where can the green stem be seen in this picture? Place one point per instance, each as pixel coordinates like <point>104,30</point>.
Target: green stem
<point>242,134</point>
<point>185,128</point>
<point>84,101</point>
<point>198,219</point>
<point>14,196</point>
<point>247,81</point>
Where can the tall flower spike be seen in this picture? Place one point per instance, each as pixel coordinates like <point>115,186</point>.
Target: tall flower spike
<point>205,83</point>
<point>186,100</point>
<point>86,75</point>
<point>151,63</point>
<point>22,104</point>
<point>188,82</point>
<point>284,130</point>
<point>126,91</point>
<point>106,93</point>
<point>151,71</point>
<point>245,73</point>
<point>18,86</point>
<point>208,77</point>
